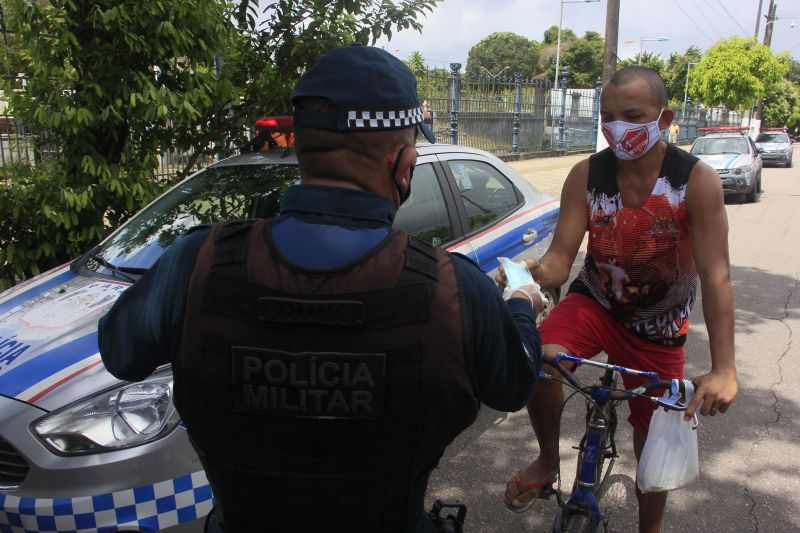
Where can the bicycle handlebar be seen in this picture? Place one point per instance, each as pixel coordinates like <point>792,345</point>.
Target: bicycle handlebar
<point>676,388</point>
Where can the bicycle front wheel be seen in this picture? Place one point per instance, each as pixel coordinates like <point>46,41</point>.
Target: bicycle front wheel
<point>573,521</point>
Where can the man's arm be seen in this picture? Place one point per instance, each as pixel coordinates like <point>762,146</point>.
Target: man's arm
<point>553,268</point>
<point>505,342</point>
<point>141,331</point>
<point>705,203</point>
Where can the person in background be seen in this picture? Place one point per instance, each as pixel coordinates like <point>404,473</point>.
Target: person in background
<point>674,132</point>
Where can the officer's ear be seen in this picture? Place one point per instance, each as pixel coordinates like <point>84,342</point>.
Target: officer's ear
<point>406,159</point>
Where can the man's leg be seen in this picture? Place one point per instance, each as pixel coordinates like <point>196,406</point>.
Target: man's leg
<point>651,504</point>
<point>544,410</point>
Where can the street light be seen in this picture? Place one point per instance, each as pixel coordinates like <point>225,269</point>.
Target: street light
<point>686,89</point>
<point>791,22</point>
<point>558,42</point>
<point>642,40</point>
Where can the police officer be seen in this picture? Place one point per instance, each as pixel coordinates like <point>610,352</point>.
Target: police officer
<point>323,361</point>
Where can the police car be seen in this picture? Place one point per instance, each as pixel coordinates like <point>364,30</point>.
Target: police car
<point>730,151</point>
<point>775,146</point>
<point>81,451</point>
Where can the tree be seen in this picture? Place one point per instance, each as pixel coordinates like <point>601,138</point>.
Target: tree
<point>118,82</point>
<point>584,62</point>
<point>734,72</point>
<point>551,35</point>
<point>674,72</point>
<point>781,102</point>
<point>503,52</point>
<point>651,60</point>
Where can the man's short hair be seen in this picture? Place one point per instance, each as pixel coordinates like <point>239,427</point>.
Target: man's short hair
<point>656,83</point>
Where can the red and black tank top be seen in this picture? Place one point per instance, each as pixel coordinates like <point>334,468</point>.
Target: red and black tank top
<point>639,263</point>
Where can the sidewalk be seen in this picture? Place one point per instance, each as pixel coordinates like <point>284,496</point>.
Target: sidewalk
<point>547,174</point>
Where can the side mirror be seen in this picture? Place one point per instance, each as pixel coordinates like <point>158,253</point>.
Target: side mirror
<point>760,150</point>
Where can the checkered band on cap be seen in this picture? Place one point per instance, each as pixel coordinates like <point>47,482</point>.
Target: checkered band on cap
<point>365,120</point>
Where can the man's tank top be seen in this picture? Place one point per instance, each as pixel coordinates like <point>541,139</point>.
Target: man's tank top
<point>639,263</point>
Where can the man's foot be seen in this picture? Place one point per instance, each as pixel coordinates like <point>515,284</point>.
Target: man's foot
<point>523,487</point>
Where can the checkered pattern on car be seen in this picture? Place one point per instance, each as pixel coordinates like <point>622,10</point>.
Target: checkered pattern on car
<point>147,508</point>
<point>384,119</point>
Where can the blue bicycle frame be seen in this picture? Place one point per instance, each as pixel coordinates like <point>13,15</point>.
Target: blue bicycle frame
<point>583,497</point>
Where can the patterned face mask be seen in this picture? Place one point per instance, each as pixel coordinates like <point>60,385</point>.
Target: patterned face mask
<point>631,141</point>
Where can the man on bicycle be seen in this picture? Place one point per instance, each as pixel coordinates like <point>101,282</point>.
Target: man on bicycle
<point>656,221</point>
<point>322,361</point>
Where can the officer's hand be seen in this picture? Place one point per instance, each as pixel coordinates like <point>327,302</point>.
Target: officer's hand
<point>528,292</point>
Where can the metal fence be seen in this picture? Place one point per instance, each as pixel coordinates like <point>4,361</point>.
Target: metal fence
<point>504,115</point>
<point>510,115</point>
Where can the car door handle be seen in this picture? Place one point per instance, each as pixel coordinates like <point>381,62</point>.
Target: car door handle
<point>530,235</point>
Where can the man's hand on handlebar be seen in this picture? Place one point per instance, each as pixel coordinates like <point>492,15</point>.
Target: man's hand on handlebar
<point>715,390</point>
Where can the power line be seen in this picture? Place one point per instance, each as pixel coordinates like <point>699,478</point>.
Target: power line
<point>710,25</point>
<point>693,22</point>
<point>731,16</point>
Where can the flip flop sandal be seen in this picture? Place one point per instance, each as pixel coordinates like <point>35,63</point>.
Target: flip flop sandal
<point>524,488</point>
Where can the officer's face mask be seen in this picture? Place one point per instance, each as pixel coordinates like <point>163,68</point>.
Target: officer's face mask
<point>631,141</point>
<point>403,197</point>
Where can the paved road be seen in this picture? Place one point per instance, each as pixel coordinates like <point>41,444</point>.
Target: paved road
<point>750,457</point>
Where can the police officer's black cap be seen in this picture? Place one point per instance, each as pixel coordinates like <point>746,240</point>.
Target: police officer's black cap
<point>369,87</point>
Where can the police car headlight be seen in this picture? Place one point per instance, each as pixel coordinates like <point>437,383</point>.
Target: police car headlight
<point>741,170</point>
<point>128,415</point>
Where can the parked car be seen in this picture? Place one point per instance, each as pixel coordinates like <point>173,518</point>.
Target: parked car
<point>734,156</point>
<point>80,450</point>
<point>775,146</point>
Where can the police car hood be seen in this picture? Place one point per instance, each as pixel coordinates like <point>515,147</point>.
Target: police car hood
<point>48,337</point>
<point>726,161</point>
<point>774,147</point>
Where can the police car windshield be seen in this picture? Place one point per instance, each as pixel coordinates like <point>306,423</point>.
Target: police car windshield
<point>772,138</point>
<point>719,145</point>
<point>215,194</point>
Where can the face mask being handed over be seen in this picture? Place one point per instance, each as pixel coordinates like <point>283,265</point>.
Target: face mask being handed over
<point>631,141</point>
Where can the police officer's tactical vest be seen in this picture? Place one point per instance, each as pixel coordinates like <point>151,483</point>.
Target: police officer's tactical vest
<point>320,401</point>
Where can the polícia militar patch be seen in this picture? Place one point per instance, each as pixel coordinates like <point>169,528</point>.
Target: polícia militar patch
<point>308,384</point>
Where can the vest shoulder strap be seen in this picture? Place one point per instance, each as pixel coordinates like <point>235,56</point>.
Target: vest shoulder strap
<point>230,247</point>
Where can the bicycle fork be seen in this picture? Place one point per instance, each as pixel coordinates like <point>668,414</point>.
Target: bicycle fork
<point>593,451</point>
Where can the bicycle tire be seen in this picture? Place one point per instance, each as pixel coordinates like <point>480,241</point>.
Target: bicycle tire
<point>574,522</point>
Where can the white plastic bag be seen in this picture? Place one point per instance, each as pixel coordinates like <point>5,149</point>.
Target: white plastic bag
<point>669,458</point>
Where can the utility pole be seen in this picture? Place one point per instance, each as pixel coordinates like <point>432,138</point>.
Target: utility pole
<point>770,23</point>
<point>768,26</point>
<point>758,17</point>
<point>612,37</point>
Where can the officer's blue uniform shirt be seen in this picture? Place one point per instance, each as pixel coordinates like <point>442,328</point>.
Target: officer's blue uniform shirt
<point>320,228</point>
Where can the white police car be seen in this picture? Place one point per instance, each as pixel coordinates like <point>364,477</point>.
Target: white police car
<point>81,451</point>
<point>775,146</point>
<point>731,152</point>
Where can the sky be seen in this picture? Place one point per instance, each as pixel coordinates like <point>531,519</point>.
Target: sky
<point>455,26</point>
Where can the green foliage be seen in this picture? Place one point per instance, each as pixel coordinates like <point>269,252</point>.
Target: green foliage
<point>734,72</point>
<point>651,60</point>
<point>674,72</point>
<point>781,102</point>
<point>584,60</point>
<point>40,220</point>
<point>551,35</point>
<point>118,82</point>
<point>504,52</point>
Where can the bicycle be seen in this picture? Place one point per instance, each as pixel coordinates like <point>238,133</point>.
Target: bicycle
<point>581,513</point>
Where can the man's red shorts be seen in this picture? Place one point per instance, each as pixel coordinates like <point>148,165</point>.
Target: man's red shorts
<point>585,328</point>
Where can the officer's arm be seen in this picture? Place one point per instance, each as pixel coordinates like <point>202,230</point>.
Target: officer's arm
<point>141,330</point>
<point>505,342</point>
